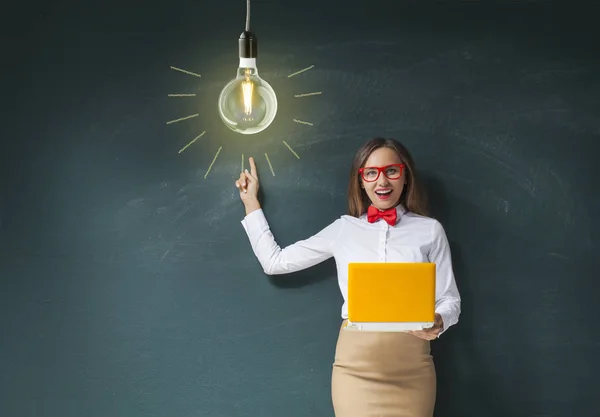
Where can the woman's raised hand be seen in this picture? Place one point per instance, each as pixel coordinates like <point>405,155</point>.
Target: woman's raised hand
<point>248,185</point>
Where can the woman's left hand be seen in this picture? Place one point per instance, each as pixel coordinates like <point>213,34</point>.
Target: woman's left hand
<point>432,332</point>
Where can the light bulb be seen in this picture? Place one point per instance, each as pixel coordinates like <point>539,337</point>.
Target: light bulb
<point>247,104</point>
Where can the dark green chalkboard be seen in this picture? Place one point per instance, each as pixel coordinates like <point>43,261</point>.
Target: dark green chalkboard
<point>128,284</point>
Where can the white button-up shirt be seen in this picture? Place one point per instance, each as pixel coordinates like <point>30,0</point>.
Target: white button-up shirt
<point>413,238</point>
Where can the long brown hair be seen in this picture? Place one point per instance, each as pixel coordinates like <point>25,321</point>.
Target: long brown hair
<point>413,196</point>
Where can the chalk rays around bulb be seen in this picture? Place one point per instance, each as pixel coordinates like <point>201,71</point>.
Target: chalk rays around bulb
<point>316,93</point>
<point>215,156</point>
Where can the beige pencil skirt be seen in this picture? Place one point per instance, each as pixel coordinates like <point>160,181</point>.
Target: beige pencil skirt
<point>382,374</point>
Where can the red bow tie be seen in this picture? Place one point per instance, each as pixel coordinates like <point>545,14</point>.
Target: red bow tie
<point>374,214</point>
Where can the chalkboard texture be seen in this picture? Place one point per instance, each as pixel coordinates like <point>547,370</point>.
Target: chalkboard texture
<point>129,287</point>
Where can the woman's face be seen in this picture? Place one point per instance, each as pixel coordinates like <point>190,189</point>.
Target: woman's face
<point>384,191</point>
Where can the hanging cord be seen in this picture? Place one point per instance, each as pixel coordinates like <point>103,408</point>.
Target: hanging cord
<point>247,15</point>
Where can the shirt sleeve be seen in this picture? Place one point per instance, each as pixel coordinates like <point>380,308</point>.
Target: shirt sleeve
<point>295,257</point>
<point>448,300</point>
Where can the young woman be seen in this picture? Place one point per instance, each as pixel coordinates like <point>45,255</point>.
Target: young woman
<point>374,373</point>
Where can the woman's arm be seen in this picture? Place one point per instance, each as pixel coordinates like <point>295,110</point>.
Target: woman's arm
<point>447,296</point>
<point>274,260</point>
<point>300,255</point>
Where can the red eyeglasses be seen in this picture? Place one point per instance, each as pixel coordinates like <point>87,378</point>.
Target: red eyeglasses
<point>392,172</point>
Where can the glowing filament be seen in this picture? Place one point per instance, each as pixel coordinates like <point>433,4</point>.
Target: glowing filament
<point>247,88</point>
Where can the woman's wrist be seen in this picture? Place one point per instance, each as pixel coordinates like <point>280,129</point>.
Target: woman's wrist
<point>251,205</point>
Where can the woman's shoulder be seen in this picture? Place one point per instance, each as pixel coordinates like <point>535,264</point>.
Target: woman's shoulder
<point>429,223</point>
<point>420,217</point>
<point>432,224</point>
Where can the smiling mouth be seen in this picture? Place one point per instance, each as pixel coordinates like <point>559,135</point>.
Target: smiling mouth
<point>383,192</point>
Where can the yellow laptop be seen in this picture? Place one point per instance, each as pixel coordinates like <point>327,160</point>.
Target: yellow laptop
<point>391,296</point>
